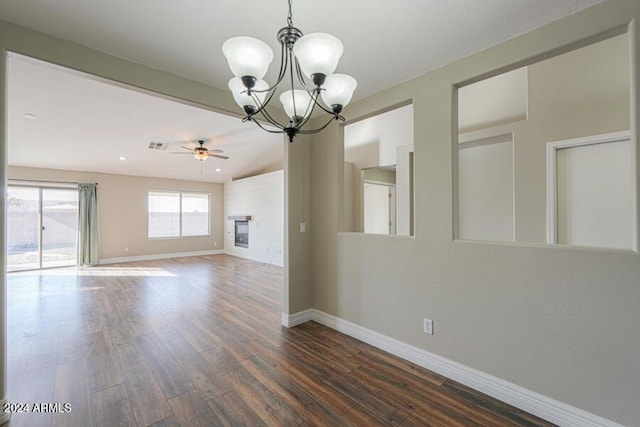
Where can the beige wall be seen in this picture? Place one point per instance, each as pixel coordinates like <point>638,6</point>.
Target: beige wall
<point>297,251</point>
<point>122,204</point>
<point>558,321</point>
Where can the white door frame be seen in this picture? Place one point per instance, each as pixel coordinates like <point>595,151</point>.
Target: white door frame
<point>552,185</point>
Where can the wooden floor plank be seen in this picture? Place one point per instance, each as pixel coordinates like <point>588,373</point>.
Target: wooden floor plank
<point>232,411</point>
<point>504,410</point>
<point>205,375</point>
<point>262,401</point>
<point>191,409</point>
<point>360,416</point>
<point>291,370</point>
<point>300,400</point>
<point>103,371</point>
<point>389,411</point>
<point>170,376</point>
<point>377,356</point>
<point>148,403</point>
<point>111,407</point>
<point>167,422</point>
<point>427,401</point>
<point>71,388</point>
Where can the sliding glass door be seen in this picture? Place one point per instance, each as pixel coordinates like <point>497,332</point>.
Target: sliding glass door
<point>59,227</point>
<point>23,228</point>
<point>42,227</point>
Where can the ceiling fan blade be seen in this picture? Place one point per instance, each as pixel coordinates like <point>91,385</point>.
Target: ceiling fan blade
<point>218,156</point>
<point>216,150</point>
<point>186,148</point>
<point>179,152</point>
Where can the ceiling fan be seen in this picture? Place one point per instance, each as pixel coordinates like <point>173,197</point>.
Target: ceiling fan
<point>202,153</point>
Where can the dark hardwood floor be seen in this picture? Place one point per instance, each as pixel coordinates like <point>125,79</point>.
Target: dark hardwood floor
<point>198,342</point>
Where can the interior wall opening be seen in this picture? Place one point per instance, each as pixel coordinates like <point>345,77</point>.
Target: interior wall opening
<point>379,174</point>
<point>506,126</point>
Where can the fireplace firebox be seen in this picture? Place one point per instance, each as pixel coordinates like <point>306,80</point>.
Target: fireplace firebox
<point>242,233</point>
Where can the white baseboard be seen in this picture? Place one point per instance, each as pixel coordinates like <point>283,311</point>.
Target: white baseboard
<point>159,256</point>
<point>291,320</point>
<point>535,403</point>
<point>240,255</point>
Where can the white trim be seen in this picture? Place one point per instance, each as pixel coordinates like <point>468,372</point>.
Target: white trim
<point>488,133</point>
<point>552,187</point>
<point>43,184</point>
<point>239,255</point>
<point>159,256</point>
<point>291,320</point>
<point>534,403</point>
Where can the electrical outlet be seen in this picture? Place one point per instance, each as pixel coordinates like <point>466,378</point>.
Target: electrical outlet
<point>427,326</point>
<point>303,227</point>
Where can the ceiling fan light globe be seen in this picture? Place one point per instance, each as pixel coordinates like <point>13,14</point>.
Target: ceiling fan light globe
<point>318,53</point>
<point>242,98</point>
<point>200,155</point>
<point>296,103</point>
<point>247,56</point>
<point>338,90</point>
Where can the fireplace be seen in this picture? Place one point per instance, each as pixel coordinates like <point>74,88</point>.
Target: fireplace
<point>242,233</point>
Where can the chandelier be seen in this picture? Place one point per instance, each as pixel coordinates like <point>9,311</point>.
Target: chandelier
<point>307,64</point>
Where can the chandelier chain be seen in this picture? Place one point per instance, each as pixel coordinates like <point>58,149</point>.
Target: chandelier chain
<point>289,17</point>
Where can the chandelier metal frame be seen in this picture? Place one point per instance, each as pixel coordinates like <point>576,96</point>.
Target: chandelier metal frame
<point>290,70</point>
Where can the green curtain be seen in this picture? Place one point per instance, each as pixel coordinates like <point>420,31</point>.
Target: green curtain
<point>89,236</point>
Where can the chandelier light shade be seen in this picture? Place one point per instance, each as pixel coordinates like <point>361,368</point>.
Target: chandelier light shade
<point>338,89</point>
<point>247,56</point>
<point>242,98</point>
<point>307,66</point>
<point>296,103</point>
<point>318,53</point>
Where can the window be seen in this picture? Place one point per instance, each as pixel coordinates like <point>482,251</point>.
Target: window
<point>178,214</point>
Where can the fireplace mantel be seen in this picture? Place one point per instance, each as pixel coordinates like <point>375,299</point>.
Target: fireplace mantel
<point>239,217</point>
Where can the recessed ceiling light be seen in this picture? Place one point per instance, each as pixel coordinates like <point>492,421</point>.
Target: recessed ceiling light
<point>218,169</point>
<point>122,158</point>
<point>29,116</point>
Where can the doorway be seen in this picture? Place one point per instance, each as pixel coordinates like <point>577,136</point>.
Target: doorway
<point>379,208</point>
<point>42,227</point>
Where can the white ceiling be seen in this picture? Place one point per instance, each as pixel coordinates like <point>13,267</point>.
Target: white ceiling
<point>185,38</point>
<point>86,124</point>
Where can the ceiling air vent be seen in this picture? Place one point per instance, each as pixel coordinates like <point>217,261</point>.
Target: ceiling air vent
<point>157,146</point>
